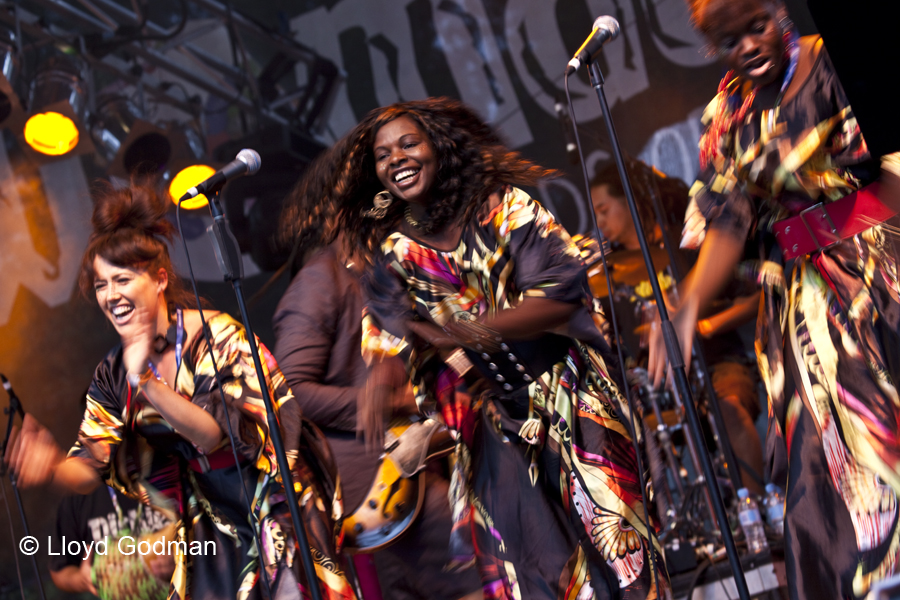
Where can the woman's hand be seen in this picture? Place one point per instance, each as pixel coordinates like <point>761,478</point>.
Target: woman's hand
<point>684,320</point>
<point>32,454</point>
<point>442,339</point>
<point>376,402</point>
<point>137,344</point>
<point>75,580</point>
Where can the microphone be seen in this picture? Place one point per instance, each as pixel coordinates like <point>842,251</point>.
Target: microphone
<point>246,163</point>
<point>605,29</point>
<point>562,113</point>
<point>14,401</point>
<point>225,245</point>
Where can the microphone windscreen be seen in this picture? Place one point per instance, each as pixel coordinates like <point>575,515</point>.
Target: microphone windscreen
<point>608,23</point>
<point>251,159</point>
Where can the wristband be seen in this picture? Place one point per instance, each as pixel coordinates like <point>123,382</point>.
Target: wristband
<point>137,381</point>
<point>459,362</point>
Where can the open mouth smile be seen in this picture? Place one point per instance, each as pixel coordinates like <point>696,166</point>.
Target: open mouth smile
<point>405,177</point>
<point>121,313</point>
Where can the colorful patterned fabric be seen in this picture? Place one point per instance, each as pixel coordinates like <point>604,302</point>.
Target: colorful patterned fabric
<point>136,451</point>
<point>545,484</point>
<point>827,338</point>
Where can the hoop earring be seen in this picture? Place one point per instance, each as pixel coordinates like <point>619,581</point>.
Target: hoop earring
<point>380,205</point>
<point>785,23</point>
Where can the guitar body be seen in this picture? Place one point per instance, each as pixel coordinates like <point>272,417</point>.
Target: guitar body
<point>398,490</point>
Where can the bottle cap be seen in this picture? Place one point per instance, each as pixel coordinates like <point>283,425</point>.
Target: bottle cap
<point>770,487</point>
<point>743,493</point>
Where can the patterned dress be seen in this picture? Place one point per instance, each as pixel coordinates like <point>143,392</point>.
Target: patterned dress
<point>827,335</point>
<point>136,451</point>
<point>546,484</point>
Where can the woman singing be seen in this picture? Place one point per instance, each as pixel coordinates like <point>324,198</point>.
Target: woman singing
<point>781,139</point>
<point>155,428</point>
<point>546,482</point>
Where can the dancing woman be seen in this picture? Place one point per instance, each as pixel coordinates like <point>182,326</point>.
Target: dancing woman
<point>546,481</point>
<point>155,428</point>
<point>781,138</point>
<point>318,327</point>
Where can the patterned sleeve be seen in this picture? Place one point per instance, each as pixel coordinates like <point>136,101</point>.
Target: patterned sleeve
<point>387,308</point>
<point>717,193</point>
<point>240,384</point>
<point>547,261</point>
<point>100,433</point>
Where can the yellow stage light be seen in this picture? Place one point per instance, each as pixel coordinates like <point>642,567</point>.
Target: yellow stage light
<point>51,133</point>
<point>185,180</point>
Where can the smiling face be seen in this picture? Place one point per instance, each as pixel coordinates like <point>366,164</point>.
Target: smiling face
<point>747,36</point>
<point>122,290</point>
<point>404,160</point>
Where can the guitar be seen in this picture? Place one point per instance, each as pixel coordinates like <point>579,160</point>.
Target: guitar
<point>396,495</point>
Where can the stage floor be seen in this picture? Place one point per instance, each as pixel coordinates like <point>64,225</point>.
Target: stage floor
<point>764,573</point>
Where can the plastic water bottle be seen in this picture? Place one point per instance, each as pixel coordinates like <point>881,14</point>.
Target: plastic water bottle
<point>774,504</point>
<point>751,522</point>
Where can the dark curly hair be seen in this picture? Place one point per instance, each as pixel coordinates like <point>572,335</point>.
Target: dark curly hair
<point>472,162</point>
<point>130,229</point>
<point>309,220</point>
<point>647,183</point>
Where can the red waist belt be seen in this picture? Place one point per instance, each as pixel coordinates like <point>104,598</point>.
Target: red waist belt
<point>220,459</point>
<point>826,224</point>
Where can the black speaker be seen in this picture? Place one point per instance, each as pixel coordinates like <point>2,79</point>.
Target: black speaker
<point>861,37</point>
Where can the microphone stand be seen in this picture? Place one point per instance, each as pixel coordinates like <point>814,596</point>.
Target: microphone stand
<point>673,348</point>
<point>15,407</point>
<point>719,431</point>
<point>228,256</point>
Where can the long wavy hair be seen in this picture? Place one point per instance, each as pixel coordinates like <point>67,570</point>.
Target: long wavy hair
<point>309,219</point>
<point>131,230</point>
<point>472,163</point>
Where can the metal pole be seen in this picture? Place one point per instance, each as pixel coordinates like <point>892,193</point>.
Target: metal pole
<point>673,348</point>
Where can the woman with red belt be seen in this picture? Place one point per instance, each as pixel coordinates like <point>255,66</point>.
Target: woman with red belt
<point>782,146</point>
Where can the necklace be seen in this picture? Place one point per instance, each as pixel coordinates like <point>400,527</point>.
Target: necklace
<point>409,218</point>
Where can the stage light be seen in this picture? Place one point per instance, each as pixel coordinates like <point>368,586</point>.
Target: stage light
<point>51,133</point>
<point>187,178</point>
<point>189,165</point>
<point>56,108</point>
<point>131,144</point>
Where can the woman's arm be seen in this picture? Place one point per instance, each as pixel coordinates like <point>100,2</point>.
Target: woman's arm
<point>531,318</point>
<point>742,310</point>
<point>715,266</point>
<point>306,327</point>
<point>189,420</point>
<point>36,459</point>
<point>75,580</point>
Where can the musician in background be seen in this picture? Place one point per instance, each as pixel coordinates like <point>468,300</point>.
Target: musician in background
<point>106,515</point>
<point>733,377</point>
<point>318,331</point>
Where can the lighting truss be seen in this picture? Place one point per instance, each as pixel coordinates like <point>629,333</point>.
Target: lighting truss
<point>115,39</point>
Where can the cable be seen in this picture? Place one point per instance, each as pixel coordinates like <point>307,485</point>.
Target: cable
<point>207,335</point>
<point>707,563</point>
<point>612,310</point>
<point>12,537</point>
